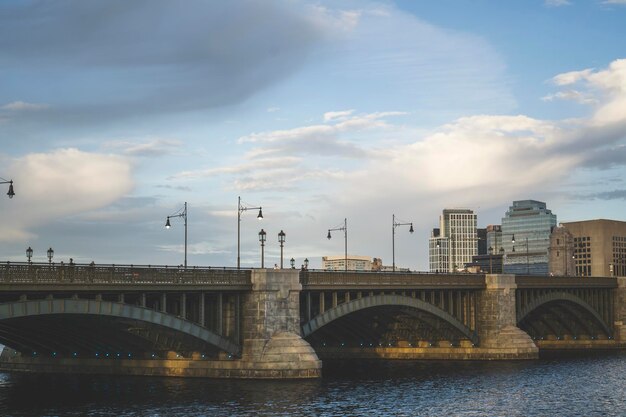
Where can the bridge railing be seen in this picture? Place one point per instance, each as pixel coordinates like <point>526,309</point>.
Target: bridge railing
<point>321,278</point>
<point>42,273</point>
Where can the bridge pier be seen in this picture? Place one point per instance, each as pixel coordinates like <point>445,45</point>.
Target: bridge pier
<point>499,336</point>
<point>272,346</point>
<point>619,325</point>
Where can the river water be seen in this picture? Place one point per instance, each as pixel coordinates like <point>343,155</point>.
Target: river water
<point>571,386</point>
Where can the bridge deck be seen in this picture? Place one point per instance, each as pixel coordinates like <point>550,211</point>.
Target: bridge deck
<point>79,277</point>
<point>353,280</point>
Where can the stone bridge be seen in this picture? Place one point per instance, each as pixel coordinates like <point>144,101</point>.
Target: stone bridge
<point>221,322</point>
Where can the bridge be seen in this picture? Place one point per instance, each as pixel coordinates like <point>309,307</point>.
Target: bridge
<point>263,323</point>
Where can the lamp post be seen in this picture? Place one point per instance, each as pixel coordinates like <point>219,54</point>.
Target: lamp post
<point>490,259</point>
<point>293,263</point>
<point>29,253</point>
<point>182,213</point>
<point>306,263</point>
<point>241,209</point>
<point>345,239</point>
<point>395,224</point>
<point>50,255</point>
<point>262,236</point>
<point>10,193</point>
<point>281,240</point>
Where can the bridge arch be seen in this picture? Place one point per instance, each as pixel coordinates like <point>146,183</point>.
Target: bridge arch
<point>40,309</point>
<point>558,297</point>
<point>385,300</point>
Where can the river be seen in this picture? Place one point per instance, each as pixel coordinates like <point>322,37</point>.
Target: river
<point>571,386</point>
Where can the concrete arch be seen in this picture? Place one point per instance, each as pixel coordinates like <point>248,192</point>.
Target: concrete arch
<point>562,296</point>
<point>382,301</point>
<point>20,309</point>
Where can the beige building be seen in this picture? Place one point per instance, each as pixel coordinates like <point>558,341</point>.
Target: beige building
<point>599,247</point>
<point>355,263</point>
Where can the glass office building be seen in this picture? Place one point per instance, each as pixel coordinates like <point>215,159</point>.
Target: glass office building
<point>526,229</point>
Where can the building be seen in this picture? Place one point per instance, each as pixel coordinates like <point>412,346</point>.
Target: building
<point>355,263</point>
<point>599,247</point>
<point>561,252</point>
<point>526,229</point>
<point>489,264</point>
<point>481,235</point>
<point>494,238</point>
<point>438,253</point>
<point>454,243</point>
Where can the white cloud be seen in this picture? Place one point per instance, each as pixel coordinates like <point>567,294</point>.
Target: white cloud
<point>153,147</point>
<point>571,77</point>
<point>50,186</point>
<point>245,168</point>
<point>273,109</point>
<point>557,3</point>
<point>334,115</point>
<point>24,106</point>
<point>617,2</point>
<point>605,87</point>
<point>572,95</point>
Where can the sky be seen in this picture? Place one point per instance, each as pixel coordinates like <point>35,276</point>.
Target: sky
<point>113,114</point>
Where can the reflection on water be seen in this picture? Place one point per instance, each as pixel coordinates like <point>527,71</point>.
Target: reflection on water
<point>575,386</point>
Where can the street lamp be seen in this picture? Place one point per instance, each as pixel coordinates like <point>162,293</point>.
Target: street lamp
<point>241,209</point>
<point>11,193</point>
<point>50,255</point>
<point>345,238</point>
<point>293,263</point>
<point>281,240</point>
<point>29,253</point>
<point>262,235</point>
<point>490,259</point>
<point>306,263</point>
<point>395,224</point>
<point>181,213</point>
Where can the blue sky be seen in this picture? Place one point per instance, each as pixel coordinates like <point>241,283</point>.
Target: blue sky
<point>114,113</point>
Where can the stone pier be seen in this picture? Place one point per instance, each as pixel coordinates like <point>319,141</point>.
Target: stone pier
<point>619,325</point>
<point>272,346</point>
<point>497,330</point>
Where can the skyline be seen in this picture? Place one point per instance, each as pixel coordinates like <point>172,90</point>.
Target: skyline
<point>113,114</point>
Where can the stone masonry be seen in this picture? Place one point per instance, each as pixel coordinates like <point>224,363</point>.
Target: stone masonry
<point>496,321</point>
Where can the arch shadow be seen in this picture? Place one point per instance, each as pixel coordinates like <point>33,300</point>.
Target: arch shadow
<point>81,307</point>
<point>555,297</point>
<point>384,300</point>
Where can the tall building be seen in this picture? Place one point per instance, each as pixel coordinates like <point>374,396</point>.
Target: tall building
<point>599,247</point>
<point>526,229</point>
<point>438,254</point>
<point>481,235</point>
<point>455,242</point>
<point>494,238</point>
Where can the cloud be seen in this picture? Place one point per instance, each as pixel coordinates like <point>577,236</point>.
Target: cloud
<point>273,109</point>
<point>23,106</point>
<point>334,115</point>
<point>152,56</point>
<point>245,168</point>
<point>609,195</point>
<point>154,147</point>
<point>571,77</point>
<point>571,95</point>
<point>615,2</point>
<point>50,186</point>
<point>557,3</point>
